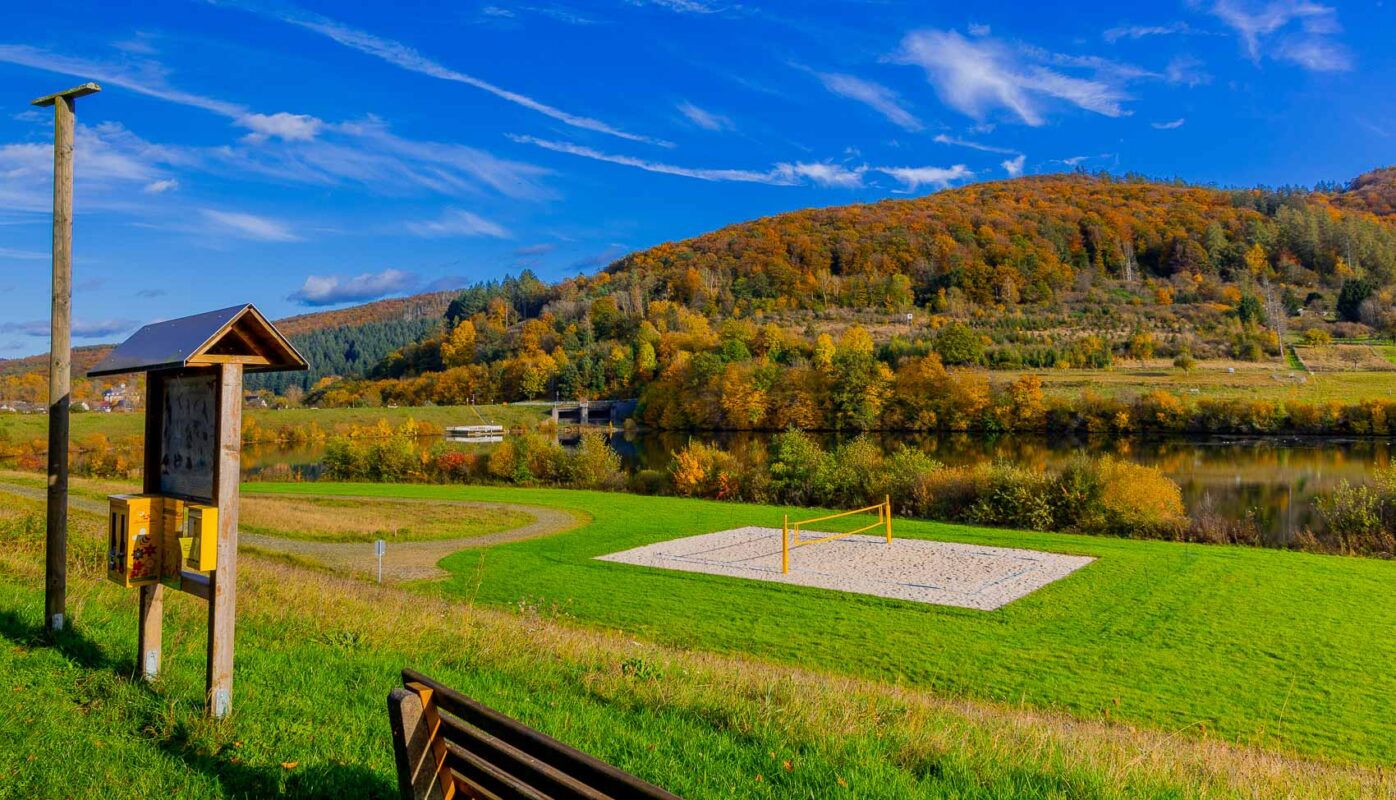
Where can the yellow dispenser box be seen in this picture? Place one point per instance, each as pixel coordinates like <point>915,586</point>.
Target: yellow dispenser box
<point>201,528</point>
<point>133,540</point>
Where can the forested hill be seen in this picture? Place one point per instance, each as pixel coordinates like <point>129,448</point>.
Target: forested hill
<point>1374,192</point>
<point>350,341</point>
<point>345,342</point>
<point>1030,240</point>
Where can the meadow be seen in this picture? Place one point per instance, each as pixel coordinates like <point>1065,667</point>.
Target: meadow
<point>1161,670</point>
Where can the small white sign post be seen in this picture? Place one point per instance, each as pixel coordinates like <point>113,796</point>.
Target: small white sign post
<point>378,548</point>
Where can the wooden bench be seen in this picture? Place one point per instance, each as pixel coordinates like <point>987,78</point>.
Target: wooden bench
<point>449,746</point>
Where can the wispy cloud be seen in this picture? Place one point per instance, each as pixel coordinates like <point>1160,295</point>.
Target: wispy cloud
<point>1168,126</point>
<point>161,186</point>
<point>913,178</point>
<point>1014,166</point>
<point>738,175</point>
<point>987,148</point>
<point>873,95</point>
<point>1298,31</point>
<point>248,226</point>
<point>330,290</point>
<point>823,173</point>
<point>145,77</point>
<point>82,328</point>
<point>1119,32</point>
<point>457,222</point>
<point>406,57</point>
<point>703,118</point>
<point>114,163</point>
<point>682,6</point>
<point>979,76</point>
<point>10,254</point>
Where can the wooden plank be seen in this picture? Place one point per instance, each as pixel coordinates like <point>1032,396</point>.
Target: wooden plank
<point>59,368</point>
<point>460,736</point>
<point>256,361</point>
<point>68,94</point>
<point>585,768</point>
<point>222,607</point>
<point>488,779</point>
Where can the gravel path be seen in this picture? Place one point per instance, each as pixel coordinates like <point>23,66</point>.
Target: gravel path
<point>403,561</point>
<point>921,570</point>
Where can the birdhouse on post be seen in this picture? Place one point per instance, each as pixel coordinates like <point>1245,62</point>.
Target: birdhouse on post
<point>181,532</point>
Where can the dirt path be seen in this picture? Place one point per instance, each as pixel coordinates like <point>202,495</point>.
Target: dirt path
<point>403,561</point>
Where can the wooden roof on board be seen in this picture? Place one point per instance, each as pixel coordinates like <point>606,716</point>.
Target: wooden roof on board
<point>239,334</point>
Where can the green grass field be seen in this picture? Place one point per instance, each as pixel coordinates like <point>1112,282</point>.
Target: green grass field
<point>1254,645</point>
<point>1135,677</point>
<point>330,519</point>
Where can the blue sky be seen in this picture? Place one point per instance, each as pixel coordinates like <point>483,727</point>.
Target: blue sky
<point>302,156</point>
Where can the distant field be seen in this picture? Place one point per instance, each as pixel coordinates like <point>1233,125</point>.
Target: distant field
<point>1345,358</point>
<point>24,427</point>
<point>1212,379</point>
<point>329,519</point>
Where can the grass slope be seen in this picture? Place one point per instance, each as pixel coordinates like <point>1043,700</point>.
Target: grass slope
<point>330,519</point>
<point>1259,646</point>
<point>317,655</point>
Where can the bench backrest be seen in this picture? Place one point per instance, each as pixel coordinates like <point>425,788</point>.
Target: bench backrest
<point>448,746</point>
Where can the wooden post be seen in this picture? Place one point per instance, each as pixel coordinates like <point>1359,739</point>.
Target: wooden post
<point>60,356</point>
<point>152,601</point>
<point>148,640</point>
<point>416,760</point>
<point>222,602</point>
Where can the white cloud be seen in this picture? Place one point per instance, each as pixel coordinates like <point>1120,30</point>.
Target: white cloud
<point>329,290</point>
<point>406,57</point>
<point>874,95</point>
<point>680,6</point>
<point>457,222</point>
<point>822,174</point>
<point>285,126</point>
<point>987,148</point>
<point>1318,55</point>
<point>1168,126</point>
<point>161,186</point>
<point>1272,23</point>
<point>147,78</point>
<point>913,178</point>
<point>111,163</point>
<point>1014,166</point>
<point>703,118</point>
<point>977,29</point>
<point>737,175</point>
<point>1186,71</point>
<point>248,226</point>
<point>1140,31</point>
<point>977,77</point>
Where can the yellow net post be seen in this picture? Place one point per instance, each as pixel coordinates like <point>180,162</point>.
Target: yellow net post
<point>887,511</point>
<point>785,546</point>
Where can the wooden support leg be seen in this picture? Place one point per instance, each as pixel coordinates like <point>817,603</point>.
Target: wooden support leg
<point>416,760</point>
<point>222,601</point>
<point>148,644</point>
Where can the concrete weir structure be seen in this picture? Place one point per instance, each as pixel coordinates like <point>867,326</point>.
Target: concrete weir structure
<point>919,570</point>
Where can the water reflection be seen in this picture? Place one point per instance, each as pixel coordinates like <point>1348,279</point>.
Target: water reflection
<point>1271,479</point>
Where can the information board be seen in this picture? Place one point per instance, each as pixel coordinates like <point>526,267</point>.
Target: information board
<point>188,427</point>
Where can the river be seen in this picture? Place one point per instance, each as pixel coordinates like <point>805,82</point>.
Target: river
<point>1271,479</point>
